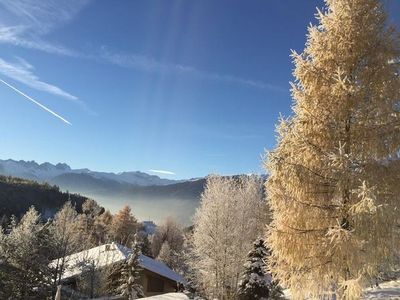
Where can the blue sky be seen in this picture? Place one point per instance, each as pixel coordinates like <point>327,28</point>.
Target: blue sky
<point>188,87</point>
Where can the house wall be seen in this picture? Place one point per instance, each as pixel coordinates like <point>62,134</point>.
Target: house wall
<point>154,284</point>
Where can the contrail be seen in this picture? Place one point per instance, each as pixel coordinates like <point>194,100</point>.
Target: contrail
<point>37,103</point>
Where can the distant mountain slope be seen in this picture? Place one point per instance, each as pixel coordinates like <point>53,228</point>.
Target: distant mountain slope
<point>148,202</point>
<point>47,172</point>
<point>86,184</point>
<point>150,197</point>
<point>17,195</point>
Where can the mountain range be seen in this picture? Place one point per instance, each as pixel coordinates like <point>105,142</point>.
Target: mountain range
<point>49,172</point>
<point>150,196</point>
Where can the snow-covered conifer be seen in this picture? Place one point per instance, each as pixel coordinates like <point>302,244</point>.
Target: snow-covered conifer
<point>144,243</point>
<point>130,284</point>
<point>256,282</point>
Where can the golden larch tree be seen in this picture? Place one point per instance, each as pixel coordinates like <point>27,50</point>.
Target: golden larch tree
<point>124,227</point>
<point>334,184</point>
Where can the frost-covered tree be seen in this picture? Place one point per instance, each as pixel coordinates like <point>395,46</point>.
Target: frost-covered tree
<point>256,282</point>
<point>92,209</point>
<point>64,239</point>
<point>229,219</point>
<point>85,225</point>
<point>124,278</point>
<point>26,253</point>
<point>334,176</point>
<point>89,281</point>
<point>190,272</point>
<point>171,258</point>
<point>130,282</point>
<point>102,227</point>
<point>170,231</point>
<point>166,255</point>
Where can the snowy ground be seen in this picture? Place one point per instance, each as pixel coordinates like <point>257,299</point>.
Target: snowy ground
<point>169,296</point>
<point>388,290</point>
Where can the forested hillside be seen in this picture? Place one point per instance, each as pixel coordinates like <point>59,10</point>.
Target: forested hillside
<point>17,195</point>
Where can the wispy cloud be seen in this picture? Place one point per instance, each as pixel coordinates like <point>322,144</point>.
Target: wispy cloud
<point>17,36</point>
<point>37,18</point>
<point>24,23</point>
<point>22,71</point>
<point>163,172</point>
<point>149,64</point>
<point>43,16</point>
<point>36,102</point>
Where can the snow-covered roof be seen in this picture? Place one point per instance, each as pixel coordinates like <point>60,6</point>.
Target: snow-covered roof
<point>110,254</point>
<point>160,268</point>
